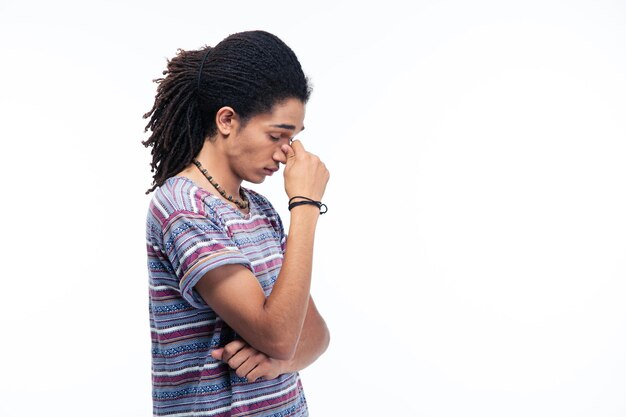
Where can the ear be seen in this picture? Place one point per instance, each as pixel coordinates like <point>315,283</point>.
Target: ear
<point>226,120</point>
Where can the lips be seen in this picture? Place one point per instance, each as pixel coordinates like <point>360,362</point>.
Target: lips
<point>270,171</point>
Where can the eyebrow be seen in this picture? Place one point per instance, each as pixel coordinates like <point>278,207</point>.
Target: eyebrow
<point>285,126</point>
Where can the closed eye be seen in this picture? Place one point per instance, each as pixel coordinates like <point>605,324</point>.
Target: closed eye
<point>274,138</point>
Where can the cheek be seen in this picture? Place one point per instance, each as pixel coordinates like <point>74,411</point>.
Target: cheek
<point>243,150</point>
<point>250,157</point>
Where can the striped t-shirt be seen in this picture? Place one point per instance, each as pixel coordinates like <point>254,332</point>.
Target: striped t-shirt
<point>189,232</point>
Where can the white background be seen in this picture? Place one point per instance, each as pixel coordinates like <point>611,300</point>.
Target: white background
<point>473,259</point>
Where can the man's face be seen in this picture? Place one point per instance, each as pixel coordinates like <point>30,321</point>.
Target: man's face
<point>254,150</point>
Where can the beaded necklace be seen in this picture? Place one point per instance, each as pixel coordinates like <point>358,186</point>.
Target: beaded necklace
<point>242,204</point>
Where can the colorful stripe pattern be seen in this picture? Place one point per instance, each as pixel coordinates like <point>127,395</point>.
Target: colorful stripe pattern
<point>189,232</point>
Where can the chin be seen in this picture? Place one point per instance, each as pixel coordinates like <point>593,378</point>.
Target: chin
<point>256,180</point>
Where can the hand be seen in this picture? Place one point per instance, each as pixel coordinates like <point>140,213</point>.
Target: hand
<point>305,174</point>
<point>248,362</point>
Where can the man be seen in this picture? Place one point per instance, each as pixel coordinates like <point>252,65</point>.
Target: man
<point>231,315</point>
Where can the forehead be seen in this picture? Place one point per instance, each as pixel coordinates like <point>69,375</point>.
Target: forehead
<point>288,114</point>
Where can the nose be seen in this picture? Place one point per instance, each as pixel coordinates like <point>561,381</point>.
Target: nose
<point>279,156</point>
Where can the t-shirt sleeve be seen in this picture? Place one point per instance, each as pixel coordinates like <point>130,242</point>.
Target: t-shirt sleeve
<point>196,244</point>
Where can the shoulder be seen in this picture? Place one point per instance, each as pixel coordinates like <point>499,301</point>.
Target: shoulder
<point>177,194</point>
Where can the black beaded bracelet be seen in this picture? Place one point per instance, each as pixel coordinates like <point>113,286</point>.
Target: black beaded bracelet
<point>307,200</point>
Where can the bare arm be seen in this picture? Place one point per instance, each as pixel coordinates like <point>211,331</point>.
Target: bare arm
<point>273,325</point>
<point>313,342</point>
<point>252,364</point>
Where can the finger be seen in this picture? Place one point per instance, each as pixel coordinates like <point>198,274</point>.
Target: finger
<point>232,348</point>
<point>240,357</point>
<point>217,353</point>
<point>288,151</point>
<point>244,369</point>
<point>297,146</point>
<point>257,372</point>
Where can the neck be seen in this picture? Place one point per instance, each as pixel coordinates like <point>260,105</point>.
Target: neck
<point>217,166</point>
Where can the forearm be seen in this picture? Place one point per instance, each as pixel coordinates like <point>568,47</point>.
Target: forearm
<point>286,307</point>
<point>313,342</point>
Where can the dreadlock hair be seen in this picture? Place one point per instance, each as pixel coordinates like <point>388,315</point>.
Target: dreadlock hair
<point>248,71</point>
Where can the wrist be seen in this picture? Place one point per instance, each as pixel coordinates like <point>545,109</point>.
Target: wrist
<point>300,201</point>
<point>305,216</point>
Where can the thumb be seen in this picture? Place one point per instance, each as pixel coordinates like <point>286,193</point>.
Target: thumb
<point>217,353</point>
